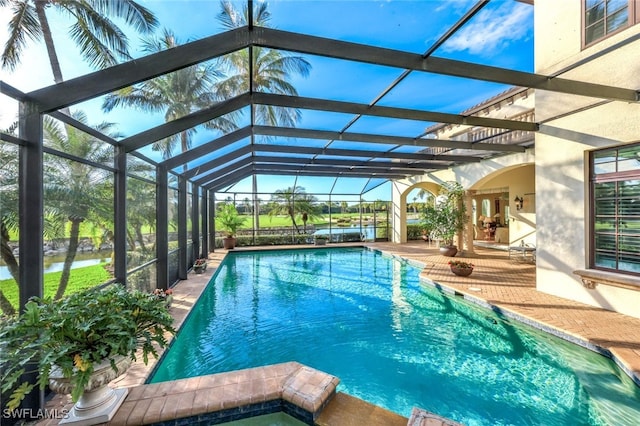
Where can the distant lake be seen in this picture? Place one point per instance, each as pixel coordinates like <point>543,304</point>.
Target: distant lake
<point>55,263</point>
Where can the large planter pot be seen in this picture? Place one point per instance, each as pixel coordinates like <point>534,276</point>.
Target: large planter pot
<point>461,272</point>
<point>99,403</point>
<point>448,251</point>
<point>229,243</point>
<point>320,242</point>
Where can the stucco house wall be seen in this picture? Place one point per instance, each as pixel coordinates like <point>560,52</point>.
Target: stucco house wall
<point>571,126</point>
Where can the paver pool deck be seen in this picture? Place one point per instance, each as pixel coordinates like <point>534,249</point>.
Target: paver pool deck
<point>497,281</point>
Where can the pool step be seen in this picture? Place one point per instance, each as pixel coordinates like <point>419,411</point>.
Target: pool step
<point>345,410</point>
<point>420,417</point>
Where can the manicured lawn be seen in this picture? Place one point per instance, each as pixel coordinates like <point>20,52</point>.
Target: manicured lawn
<point>267,221</point>
<point>80,279</point>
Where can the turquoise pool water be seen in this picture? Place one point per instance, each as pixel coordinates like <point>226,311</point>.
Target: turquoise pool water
<point>394,342</point>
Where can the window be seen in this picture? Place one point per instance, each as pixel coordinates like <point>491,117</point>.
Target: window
<point>615,188</point>
<point>605,17</point>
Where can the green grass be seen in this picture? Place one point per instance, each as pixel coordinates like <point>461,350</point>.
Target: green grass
<point>80,279</point>
<point>267,221</point>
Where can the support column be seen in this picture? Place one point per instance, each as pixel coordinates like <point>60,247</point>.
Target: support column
<point>120,216</point>
<point>399,191</point>
<point>468,229</point>
<point>212,220</point>
<point>162,228</point>
<point>195,221</point>
<point>31,204</point>
<point>182,227</point>
<point>31,224</point>
<point>256,207</point>
<point>205,224</point>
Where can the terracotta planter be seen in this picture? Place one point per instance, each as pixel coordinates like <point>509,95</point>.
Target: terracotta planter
<point>448,251</point>
<point>229,243</point>
<point>462,272</point>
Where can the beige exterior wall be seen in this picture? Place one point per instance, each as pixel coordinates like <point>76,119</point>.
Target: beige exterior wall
<point>572,126</point>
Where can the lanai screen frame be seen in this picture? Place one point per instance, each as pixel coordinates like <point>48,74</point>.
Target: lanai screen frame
<point>50,100</point>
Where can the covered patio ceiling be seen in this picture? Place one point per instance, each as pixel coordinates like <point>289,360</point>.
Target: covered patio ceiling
<point>326,149</point>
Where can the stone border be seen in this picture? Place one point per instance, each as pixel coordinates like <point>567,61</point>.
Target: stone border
<point>299,391</point>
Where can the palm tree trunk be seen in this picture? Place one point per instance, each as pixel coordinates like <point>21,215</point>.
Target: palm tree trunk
<point>293,219</point>
<point>48,41</point>
<point>74,235</point>
<point>7,254</point>
<point>5,306</point>
<point>51,49</point>
<point>10,260</point>
<point>132,241</point>
<point>138,229</point>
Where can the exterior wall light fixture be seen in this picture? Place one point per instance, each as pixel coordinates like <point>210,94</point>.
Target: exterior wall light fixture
<point>519,201</point>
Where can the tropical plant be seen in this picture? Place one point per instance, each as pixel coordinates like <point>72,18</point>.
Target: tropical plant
<point>294,202</point>
<point>76,191</point>
<point>448,215</point>
<point>97,36</point>
<point>176,94</point>
<point>77,333</point>
<point>229,220</point>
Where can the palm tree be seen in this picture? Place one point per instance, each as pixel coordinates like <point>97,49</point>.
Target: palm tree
<point>294,201</point>
<point>76,192</point>
<point>142,201</point>
<point>176,94</point>
<point>100,40</point>
<point>270,69</point>
<point>8,214</point>
<point>246,203</point>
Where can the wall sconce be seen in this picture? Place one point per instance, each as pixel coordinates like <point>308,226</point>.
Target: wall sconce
<point>519,201</point>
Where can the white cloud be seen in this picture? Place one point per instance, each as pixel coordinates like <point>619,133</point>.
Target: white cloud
<point>491,30</point>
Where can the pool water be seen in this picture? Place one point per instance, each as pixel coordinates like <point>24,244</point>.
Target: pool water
<point>275,419</point>
<point>393,341</point>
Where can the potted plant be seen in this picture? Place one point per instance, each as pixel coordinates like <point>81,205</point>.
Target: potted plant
<point>165,295</point>
<point>320,239</point>
<point>200,265</point>
<point>461,268</point>
<point>446,217</point>
<point>229,221</point>
<point>79,343</point>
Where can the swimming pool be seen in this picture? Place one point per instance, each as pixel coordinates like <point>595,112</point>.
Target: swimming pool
<point>393,341</point>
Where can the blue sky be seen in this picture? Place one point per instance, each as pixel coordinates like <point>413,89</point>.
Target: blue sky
<point>500,35</point>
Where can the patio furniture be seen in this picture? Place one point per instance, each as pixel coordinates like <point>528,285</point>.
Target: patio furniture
<point>526,251</point>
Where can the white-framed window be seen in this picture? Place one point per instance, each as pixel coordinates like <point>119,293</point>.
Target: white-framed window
<point>602,18</point>
<point>615,209</point>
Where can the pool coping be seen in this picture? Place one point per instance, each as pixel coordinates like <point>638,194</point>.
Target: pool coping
<point>538,325</point>
<point>295,389</point>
